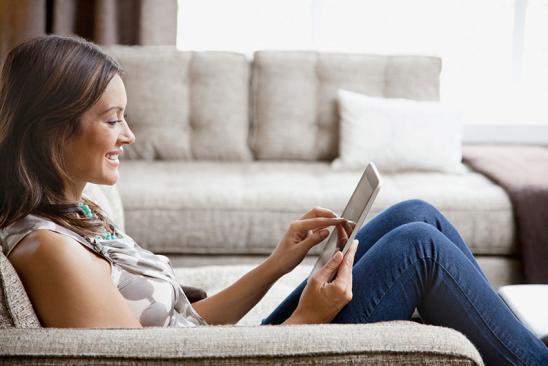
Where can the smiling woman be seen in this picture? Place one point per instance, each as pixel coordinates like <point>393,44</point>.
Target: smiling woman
<point>53,137</point>
<point>92,154</point>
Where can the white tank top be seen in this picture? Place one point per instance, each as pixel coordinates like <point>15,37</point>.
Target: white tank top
<point>146,280</point>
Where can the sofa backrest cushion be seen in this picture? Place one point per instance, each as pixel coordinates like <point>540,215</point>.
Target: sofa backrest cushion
<point>294,109</point>
<point>185,105</point>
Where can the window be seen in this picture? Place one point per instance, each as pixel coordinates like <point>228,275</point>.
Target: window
<point>244,25</point>
<point>494,52</point>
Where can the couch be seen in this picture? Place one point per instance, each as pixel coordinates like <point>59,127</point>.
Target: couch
<point>228,152</point>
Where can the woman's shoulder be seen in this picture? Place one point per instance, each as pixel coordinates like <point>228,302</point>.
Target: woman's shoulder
<point>44,248</point>
<point>43,244</point>
<point>29,221</point>
<point>67,284</point>
<point>12,234</point>
<point>34,226</point>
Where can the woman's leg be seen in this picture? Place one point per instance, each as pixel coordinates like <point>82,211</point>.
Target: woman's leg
<point>405,212</point>
<point>416,265</point>
<point>401,213</point>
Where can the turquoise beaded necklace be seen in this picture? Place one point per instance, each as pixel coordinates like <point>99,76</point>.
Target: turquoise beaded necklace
<point>106,234</point>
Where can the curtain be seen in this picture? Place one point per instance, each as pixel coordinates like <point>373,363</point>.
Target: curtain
<point>106,22</point>
<point>20,20</point>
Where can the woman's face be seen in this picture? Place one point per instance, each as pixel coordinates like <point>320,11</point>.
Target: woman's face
<point>91,155</point>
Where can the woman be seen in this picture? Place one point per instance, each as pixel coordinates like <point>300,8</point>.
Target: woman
<point>62,125</point>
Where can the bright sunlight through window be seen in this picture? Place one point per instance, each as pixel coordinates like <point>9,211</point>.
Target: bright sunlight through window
<point>494,52</point>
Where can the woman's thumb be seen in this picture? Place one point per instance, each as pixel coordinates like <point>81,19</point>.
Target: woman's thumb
<point>330,268</point>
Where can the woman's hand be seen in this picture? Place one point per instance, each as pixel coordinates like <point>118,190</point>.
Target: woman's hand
<point>322,300</point>
<point>301,236</point>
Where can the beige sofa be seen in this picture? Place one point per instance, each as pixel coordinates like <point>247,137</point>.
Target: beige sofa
<point>230,150</point>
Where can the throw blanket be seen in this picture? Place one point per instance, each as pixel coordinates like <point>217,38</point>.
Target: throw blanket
<point>523,172</point>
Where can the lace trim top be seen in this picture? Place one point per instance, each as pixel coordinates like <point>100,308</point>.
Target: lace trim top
<point>146,280</point>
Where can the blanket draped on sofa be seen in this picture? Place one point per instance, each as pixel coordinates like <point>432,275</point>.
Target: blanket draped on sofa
<point>523,172</point>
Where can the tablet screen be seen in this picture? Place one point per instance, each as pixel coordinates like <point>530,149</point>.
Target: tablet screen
<point>362,196</point>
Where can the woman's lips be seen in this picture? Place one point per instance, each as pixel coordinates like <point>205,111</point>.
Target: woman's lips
<point>112,159</point>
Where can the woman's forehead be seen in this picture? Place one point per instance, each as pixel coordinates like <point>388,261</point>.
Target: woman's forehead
<point>114,97</point>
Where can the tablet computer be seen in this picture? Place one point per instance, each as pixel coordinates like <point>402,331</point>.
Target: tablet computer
<point>355,212</point>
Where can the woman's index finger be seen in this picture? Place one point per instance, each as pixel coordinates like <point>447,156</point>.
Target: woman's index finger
<point>317,222</point>
<point>318,212</point>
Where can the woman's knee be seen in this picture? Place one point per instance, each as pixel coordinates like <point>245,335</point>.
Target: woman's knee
<point>417,238</point>
<point>413,210</point>
<point>417,205</point>
<point>405,212</point>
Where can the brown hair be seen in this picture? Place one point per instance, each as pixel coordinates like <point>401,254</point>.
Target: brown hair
<point>46,85</point>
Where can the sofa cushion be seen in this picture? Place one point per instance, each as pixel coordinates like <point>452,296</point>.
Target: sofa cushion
<point>398,134</point>
<point>201,113</point>
<point>294,96</point>
<point>214,278</point>
<point>206,207</point>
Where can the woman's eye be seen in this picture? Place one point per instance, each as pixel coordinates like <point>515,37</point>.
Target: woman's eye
<point>112,123</point>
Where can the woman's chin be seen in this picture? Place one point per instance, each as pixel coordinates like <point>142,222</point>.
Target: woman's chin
<point>108,179</point>
<point>112,180</point>
<point>110,174</point>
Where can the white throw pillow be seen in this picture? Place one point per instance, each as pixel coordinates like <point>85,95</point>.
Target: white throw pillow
<point>398,134</point>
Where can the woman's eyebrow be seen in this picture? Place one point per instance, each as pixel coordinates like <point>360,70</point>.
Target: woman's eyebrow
<point>109,109</point>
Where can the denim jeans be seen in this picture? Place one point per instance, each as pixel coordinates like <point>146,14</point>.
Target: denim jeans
<point>410,256</point>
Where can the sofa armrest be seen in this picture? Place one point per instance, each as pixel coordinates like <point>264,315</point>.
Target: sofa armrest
<point>335,344</point>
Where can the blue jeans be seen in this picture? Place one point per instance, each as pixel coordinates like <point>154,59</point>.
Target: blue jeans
<point>410,256</point>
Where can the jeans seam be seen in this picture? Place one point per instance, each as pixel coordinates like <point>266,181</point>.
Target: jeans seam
<point>512,351</point>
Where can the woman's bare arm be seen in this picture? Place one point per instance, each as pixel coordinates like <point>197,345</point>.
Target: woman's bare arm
<point>68,285</point>
<point>231,304</point>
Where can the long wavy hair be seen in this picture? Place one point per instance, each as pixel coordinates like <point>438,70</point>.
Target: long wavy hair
<point>46,85</point>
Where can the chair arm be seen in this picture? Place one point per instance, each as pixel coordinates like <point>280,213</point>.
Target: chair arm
<point>385,343</point>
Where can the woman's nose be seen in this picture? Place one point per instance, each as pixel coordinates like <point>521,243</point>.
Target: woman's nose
<point>127,135</point>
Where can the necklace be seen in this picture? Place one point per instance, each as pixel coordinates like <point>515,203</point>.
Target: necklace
<point>106,234</point>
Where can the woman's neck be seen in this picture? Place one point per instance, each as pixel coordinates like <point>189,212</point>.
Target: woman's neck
<point>73,192</point>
